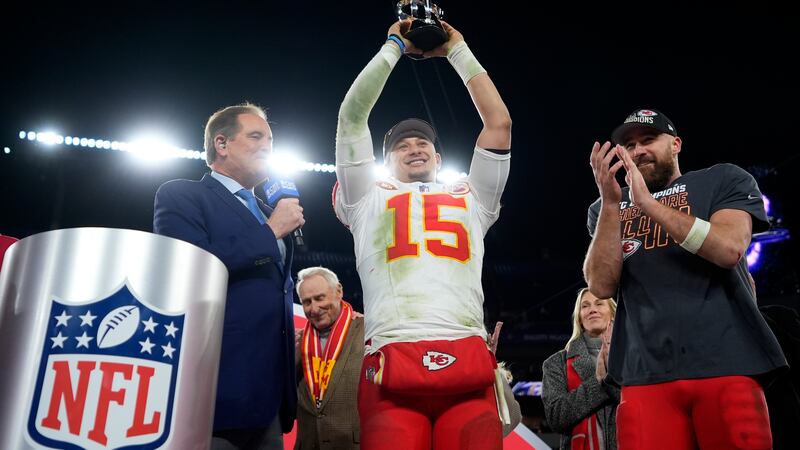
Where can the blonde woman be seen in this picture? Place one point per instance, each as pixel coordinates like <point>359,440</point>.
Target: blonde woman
<point>577,402</point>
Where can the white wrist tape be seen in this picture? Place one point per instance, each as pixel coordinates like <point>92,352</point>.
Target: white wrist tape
<point>697,235</point>
<point>391,53</point>
<point>465,63</point>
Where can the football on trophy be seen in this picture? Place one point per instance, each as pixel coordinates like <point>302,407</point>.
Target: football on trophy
<point>118,326</point>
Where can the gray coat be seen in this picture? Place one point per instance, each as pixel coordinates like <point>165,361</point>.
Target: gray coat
<point>563,409</point>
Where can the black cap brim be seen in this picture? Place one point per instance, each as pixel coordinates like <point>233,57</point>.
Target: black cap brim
<point>619,133</point>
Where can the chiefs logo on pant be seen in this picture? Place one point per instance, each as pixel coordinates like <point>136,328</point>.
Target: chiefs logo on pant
<point>437,361</point>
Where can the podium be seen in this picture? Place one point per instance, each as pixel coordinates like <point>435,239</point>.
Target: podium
<point>110,339</point>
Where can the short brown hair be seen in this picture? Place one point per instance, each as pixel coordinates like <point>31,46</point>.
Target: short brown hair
<point>226,122</point>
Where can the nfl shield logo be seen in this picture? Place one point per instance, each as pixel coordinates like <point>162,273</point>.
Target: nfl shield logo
<point>107,375</point>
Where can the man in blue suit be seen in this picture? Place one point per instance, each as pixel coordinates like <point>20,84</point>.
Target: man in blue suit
<point>256,391</point>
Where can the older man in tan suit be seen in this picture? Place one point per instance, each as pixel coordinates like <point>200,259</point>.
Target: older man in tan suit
<point>331,349</point>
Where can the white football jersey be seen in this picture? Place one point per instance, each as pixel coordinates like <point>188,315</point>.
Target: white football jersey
<point>419,253</point>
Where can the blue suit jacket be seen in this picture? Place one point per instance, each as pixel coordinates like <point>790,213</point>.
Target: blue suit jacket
<point>256,370</point>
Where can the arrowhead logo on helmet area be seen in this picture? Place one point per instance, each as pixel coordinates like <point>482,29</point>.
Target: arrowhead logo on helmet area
<point>107,375</point>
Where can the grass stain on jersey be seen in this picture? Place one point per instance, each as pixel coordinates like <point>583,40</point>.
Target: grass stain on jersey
<point>401,269</point>
<point>361,98</point>
<point>468,321</point>
<point>411,306</point>
<point>384,232</point>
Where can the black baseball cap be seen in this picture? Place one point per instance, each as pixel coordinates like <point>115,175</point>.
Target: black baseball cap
<point>649,118</point>
<point>407,128</point>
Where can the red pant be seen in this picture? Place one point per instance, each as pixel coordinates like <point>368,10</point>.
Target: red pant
<point>709,413</point>
<point>466,421</point>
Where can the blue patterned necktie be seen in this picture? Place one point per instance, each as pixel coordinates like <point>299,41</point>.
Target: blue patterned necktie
<point>252,204</point>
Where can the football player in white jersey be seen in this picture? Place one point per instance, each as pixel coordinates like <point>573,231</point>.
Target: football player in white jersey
<point>428,374</point>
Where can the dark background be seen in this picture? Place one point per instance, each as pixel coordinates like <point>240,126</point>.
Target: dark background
<point>569,74</point>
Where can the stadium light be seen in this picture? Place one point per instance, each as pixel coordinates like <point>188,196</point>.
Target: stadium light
<point>753,255</point>
<point>153,148</point>
<point>284,162</point>
<point>757,249</point>
<point>449,176</point>
<point>381,172</point>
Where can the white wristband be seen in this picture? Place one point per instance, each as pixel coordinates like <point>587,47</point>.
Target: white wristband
<point>465,63</point>
<point>697,235</point>
<point>391,53</point>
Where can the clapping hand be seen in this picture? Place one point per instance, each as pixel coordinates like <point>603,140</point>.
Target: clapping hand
<point>602,357</point>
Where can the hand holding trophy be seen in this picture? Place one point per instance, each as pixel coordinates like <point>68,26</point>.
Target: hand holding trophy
<point>426,31</point>
<point>424,34</point>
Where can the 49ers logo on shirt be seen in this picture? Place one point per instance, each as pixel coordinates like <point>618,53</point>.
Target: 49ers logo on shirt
<point>437,361</point>
<point>629,247</point>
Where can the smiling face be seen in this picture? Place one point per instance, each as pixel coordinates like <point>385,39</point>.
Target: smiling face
<point>414,159</point>
<point>243,157</point>
<point>595,314</point>
<point>321,302</point>
<point>655,154</point>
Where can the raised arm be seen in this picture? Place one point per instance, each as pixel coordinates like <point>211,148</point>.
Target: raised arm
<point>491,162</point>
<point>603,265</point>
<point>354,154</point>
<point>496,133</point>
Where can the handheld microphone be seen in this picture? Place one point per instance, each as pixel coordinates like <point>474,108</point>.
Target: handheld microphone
<point>278,189</point>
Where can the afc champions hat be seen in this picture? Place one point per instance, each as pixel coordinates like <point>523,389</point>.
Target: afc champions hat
<point>649,118</point>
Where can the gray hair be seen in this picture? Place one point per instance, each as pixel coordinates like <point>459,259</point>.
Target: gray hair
<point>325,273</point>
<point>226,122</point>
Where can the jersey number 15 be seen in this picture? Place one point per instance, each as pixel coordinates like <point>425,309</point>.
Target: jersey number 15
<point>403,246</point>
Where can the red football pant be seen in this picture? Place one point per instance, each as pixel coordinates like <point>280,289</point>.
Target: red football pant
<point>709,413</point>
<point>466,421</point>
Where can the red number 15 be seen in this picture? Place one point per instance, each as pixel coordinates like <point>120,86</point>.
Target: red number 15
<point>403,246</point>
